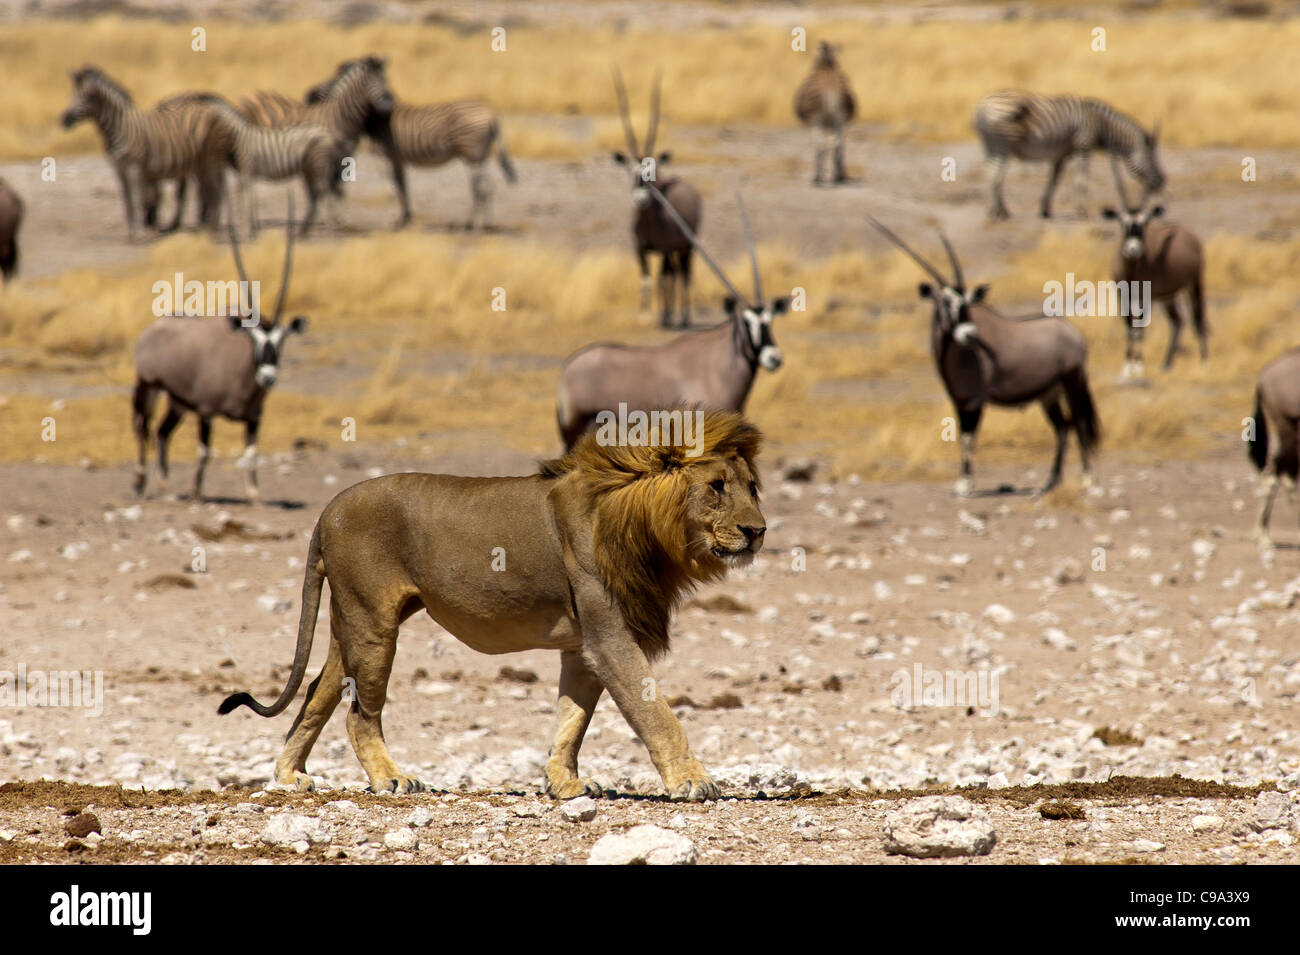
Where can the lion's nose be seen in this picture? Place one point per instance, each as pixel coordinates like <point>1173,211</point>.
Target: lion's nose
<point>753,533</point>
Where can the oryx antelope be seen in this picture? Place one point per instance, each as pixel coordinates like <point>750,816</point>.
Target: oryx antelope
<point>713,368</point>
<point>254,152</point>
<point>213,366</point>
<point>1277,413</point>
<point>1168,256</point>
<point>1026,126</point>
<point>825,103</point>
<point>653,229</point>
<point>11,218</point>
<point>144,145</point>
<point>984,358</point>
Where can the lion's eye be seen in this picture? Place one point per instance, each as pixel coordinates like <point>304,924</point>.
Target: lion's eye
<point>719,485</point>
<point>753,489</point>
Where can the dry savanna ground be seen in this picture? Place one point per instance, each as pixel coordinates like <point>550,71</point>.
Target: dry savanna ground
<point>1136,629</point>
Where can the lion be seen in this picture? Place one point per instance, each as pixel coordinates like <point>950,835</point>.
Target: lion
<point>599,547</point>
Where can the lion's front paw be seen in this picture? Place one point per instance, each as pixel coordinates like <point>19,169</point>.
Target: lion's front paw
<point>573,788</point>
<point>295,779</point>
<point>399,784</point>
<point>694,788</point>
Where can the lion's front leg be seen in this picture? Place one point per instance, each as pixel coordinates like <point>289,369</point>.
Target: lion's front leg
<point>579,692</point>
<point>616,658</point>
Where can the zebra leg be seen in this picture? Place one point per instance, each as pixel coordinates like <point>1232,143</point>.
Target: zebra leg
<point>205,452</point>
<point>313,203</point>
<point>1083,183</point>
<point>818,155</point>
<point>1045,205</point>
<point>840,175</point>
<point>480,185</point>
<point>129,177</point>
<point>1175,331</point>
<point>182,185</point>
<point>999,208</point>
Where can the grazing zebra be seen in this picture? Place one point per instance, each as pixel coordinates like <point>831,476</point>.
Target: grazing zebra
<point>144,146</point>
<point>434,135</point>
<point>825,102</point>
<point>1054,128</point>
<point>256,152</point>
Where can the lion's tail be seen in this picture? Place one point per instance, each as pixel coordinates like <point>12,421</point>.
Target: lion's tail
<point>312,583</point>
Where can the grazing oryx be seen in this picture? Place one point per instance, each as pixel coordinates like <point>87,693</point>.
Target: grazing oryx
<point>11,217</point>
<point>984,358</point>
<point>713,368</point>
<point>1013,123</point>
<point>1277,409</point>
<point>1169,257</point>
<point>256,152</point>
<point>653,229</point>
<point>430,136</point>
<point>143,145</point>
<point>824,101</point>
<point>213,365</point>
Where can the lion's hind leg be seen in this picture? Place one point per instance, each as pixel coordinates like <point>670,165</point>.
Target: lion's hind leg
<point>579,692</point>
<point>323,697</point>
<point>368,641</point>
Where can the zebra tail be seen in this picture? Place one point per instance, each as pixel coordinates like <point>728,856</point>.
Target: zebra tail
<point>1259,435</point>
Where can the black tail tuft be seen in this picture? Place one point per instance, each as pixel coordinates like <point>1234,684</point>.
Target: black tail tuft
<point>1259,436</point>
<point>234,702</point>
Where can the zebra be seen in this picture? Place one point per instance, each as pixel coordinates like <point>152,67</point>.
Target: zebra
<point>144,146</point>
<point>256,152</point>
<point>431,136</point>
<point>209,177</point>
<point>1042,128</point>
<point>825,102</point>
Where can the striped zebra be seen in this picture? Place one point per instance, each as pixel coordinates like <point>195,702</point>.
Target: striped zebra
<point>825,102</point>
<point>145,146</point>
<point>1054,128</point>
<point>209,177</point>
<point>433,135</point>
<point>257,152</point>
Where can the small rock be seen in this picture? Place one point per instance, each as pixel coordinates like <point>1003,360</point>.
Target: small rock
<point>643,845</point>
<point>401,839</point>
<point>419,818</point>
<point>1207,824</point>
<point>287,828</point>
<point>939,827</point>
<point>82,825</point>
<point>270,603</point>
<point>1147,845</point>
<point>999,614</point>
<point>1272,810</point>
<point>582,809</point>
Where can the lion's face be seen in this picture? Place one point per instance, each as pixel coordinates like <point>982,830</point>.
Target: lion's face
<point>723,519</point>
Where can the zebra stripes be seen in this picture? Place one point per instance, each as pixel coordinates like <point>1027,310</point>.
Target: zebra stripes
<point>824,101</point>
<point>1026,126</point>
<point>257,152</point>
<point>144,146</point>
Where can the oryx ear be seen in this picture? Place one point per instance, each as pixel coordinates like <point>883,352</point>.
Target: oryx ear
<point>977,296</point>
<point>664,157</point>
<point>1156,212</point>
<point>781,305</point>
<point>618,157</point>
<point>236,322</point>
<point>1109,213</point>
<point>925,290</point>
<point>298,325</point>
<point>729,304</point>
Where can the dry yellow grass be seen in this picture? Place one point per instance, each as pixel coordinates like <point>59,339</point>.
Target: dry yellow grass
<point>915,81</point>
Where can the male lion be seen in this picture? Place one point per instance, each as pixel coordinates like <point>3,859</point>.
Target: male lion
<point>599,546</point>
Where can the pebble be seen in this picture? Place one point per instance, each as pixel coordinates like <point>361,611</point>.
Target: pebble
<point>939,827</point>
<point>582,809</point>
<point>644,845</point>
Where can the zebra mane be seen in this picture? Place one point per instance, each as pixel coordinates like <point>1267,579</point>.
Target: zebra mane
<point>101,79</point>
<point>322,92</point>
<point>1118,129</point>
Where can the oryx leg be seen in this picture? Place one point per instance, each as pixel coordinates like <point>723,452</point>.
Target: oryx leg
<point>1175,330</point>
<point>667,286</point>
<point>643,261</point>
<point>1045,204</point>
<point>999,208</point>
<point>684,286</point>
<point>1061,425</point>
<point>1133,329</point>
<point>205,453</point>
<point>1266,509</point>
<point>165,429</point>
<point>579,692</point>
<point>142,405</point>
<point>323,697</point>
<point>969,421</point>
<point>1198,318</point>
<point>248,460</point>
